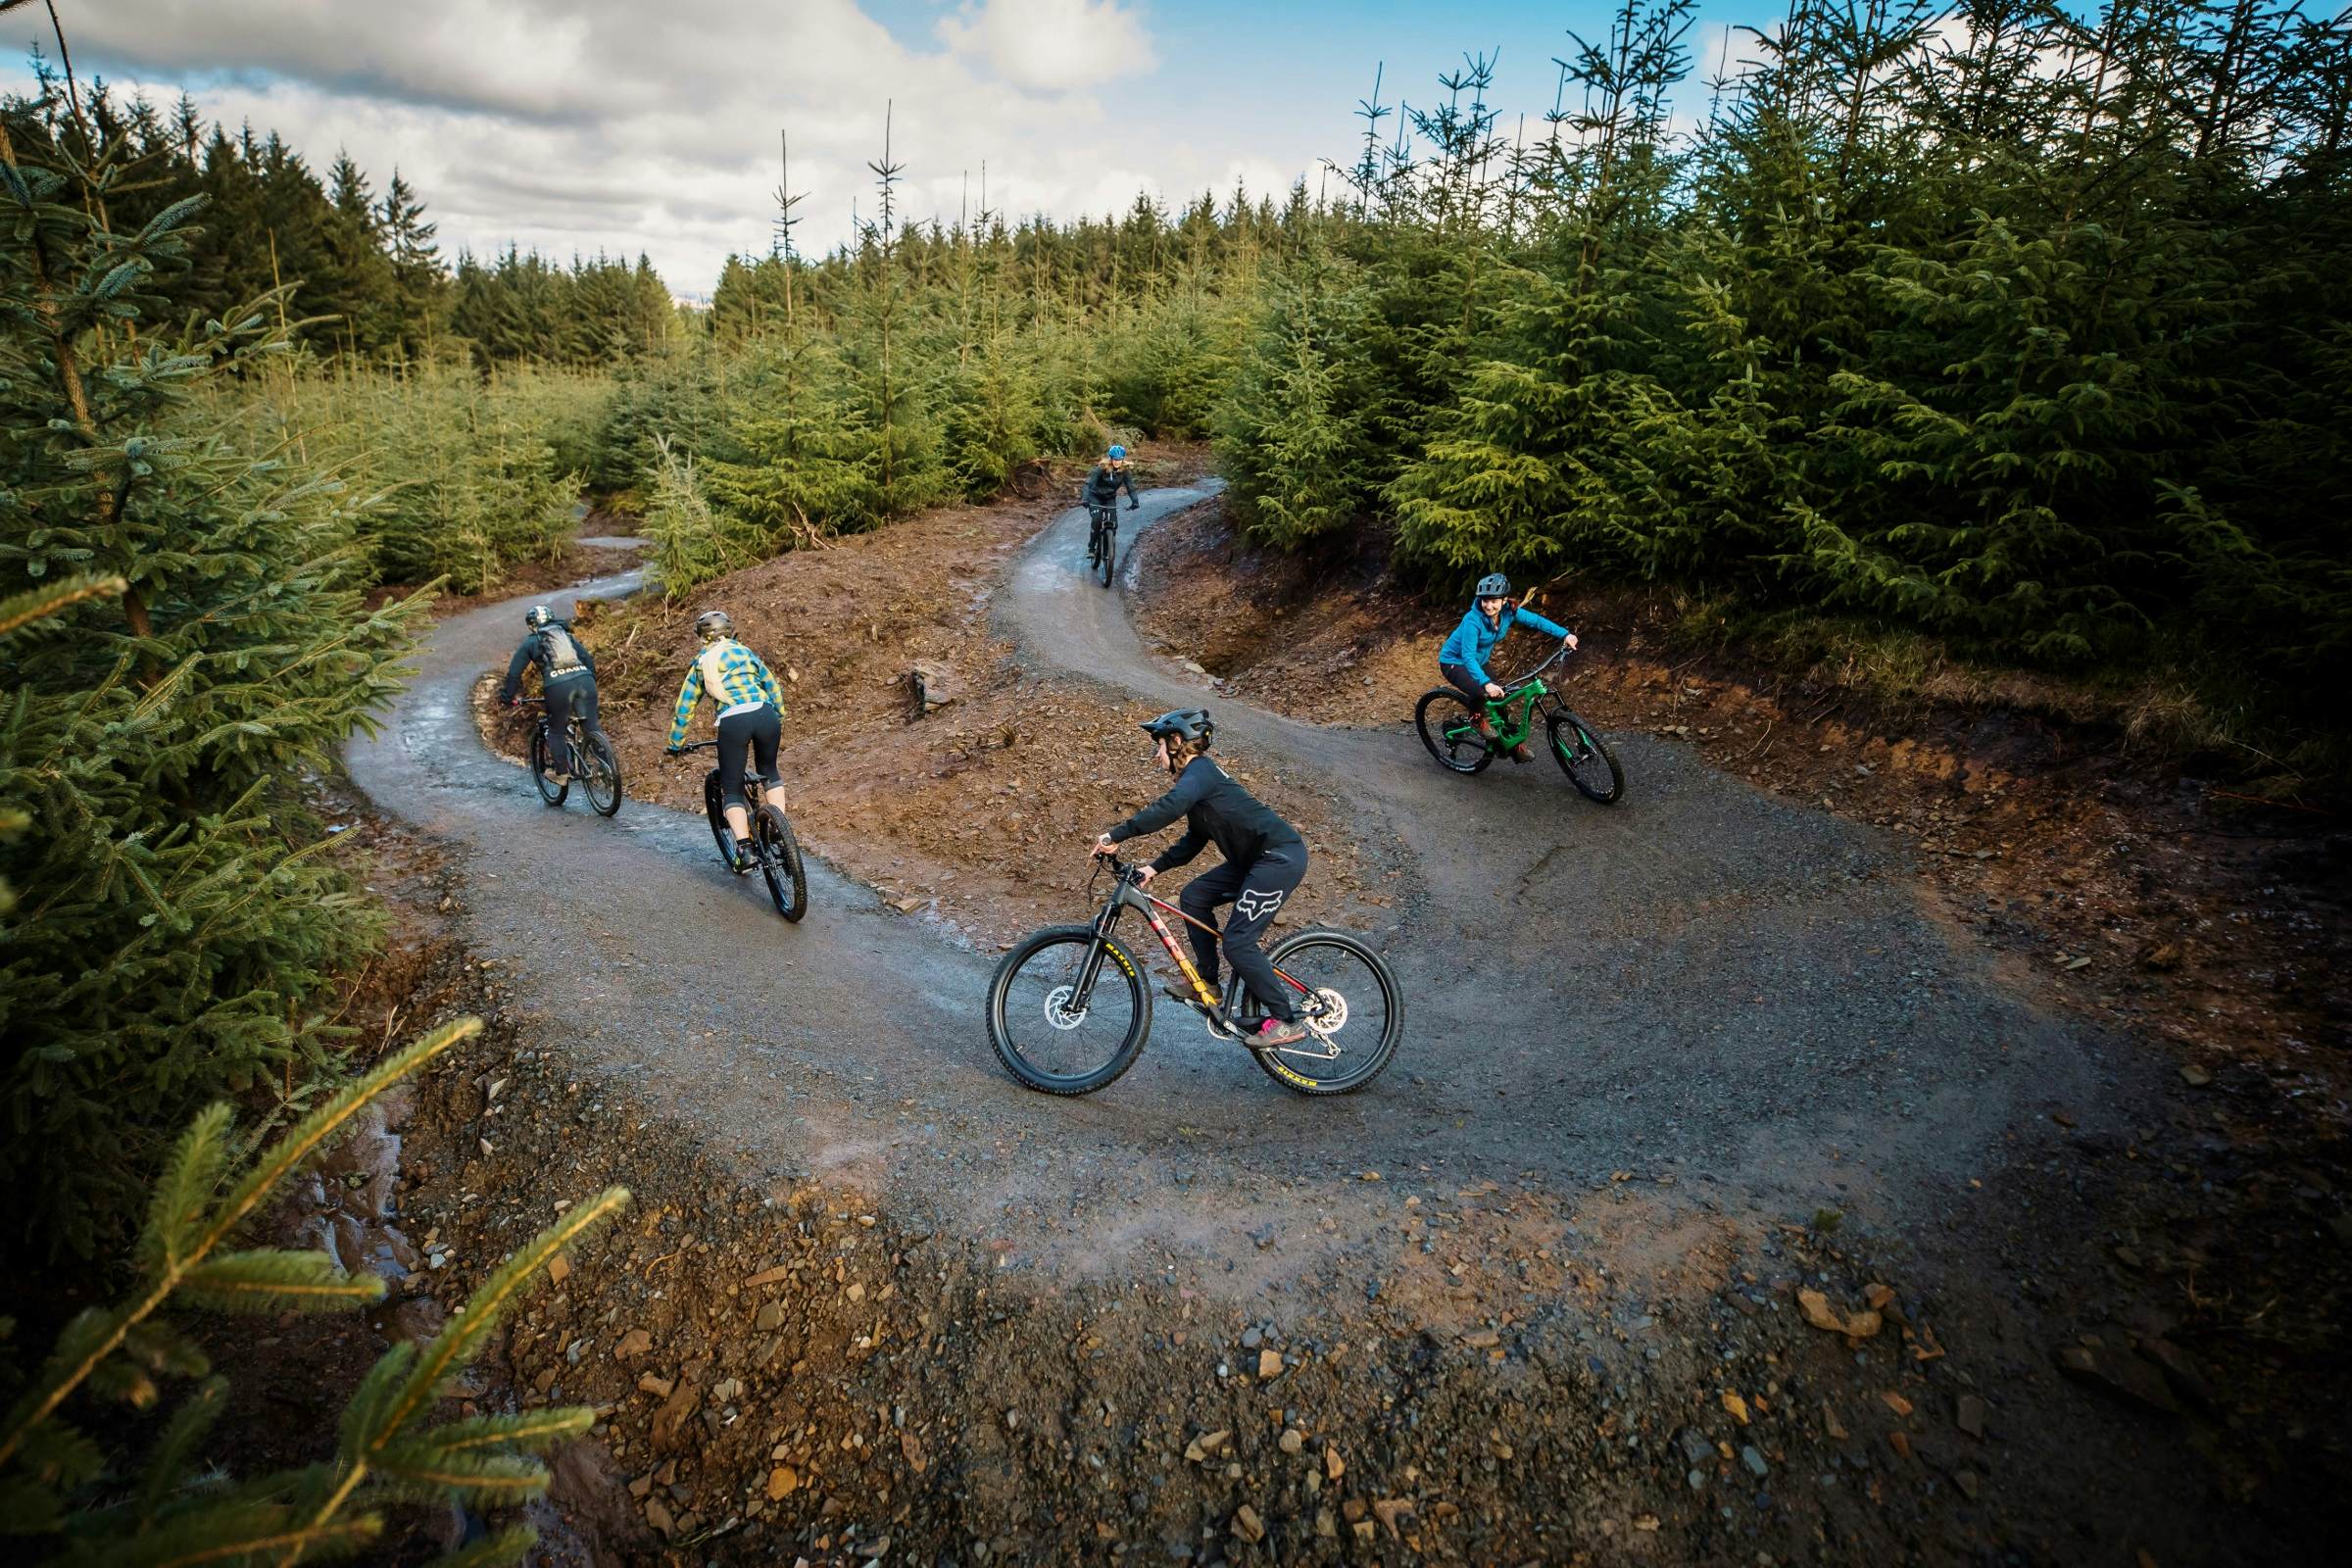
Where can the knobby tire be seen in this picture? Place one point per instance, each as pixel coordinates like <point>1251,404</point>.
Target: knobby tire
<point>602,782</point>
<point>780,862</point>
<point>1440,716</point>
<point>1044,952</point>
<point>1590,765</point>
<point>549,791</point>
<point>1360,1064</point>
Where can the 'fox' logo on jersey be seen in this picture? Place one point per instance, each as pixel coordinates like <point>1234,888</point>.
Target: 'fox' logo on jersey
<point>1253,905</point>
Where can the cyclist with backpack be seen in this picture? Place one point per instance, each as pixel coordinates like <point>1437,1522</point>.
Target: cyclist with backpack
<point>566,678</point>
<point>751,718</point>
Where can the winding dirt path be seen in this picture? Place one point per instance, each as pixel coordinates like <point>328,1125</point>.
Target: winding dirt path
<point>1699,980</point>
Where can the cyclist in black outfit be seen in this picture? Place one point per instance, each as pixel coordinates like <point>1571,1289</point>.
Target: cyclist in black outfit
<point>1103,479</point>
<point>1264,860</point>
<point>567,677</point>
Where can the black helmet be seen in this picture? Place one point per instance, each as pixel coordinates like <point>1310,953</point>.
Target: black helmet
<point>714,624</point>
<point>537,616</point>
<point>1494,585</point>
<point>1183,725</point>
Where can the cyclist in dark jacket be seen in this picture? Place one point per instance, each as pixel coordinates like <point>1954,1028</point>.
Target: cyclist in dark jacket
<point>1265,860</point>
<point>1103,479</point>
<point>567,677</point>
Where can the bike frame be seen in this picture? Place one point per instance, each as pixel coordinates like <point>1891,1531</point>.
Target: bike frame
<point>754,788</point>
<point>1127,894</point>
<point>575,733</point>
<point>1527,695</point>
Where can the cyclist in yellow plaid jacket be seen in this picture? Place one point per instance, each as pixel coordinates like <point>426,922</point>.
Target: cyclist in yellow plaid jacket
<point>751,716</point>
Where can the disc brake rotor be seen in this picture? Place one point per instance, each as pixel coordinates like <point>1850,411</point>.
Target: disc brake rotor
<point>1057,1010</point>
<point>1332,1018</point>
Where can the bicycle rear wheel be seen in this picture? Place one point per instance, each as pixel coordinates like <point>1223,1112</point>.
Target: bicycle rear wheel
<point>780,863</point>
<point>602,780</point>
<point>1046,1034</point>
<point>1590,765</point>
<point>1352,1006</point>
<point>720,835</point>
<point>1449,727</point>
<point>549,790</point>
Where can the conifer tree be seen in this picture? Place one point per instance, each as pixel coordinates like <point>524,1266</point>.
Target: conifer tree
<point>61,1495</point>
<point>177,924</point>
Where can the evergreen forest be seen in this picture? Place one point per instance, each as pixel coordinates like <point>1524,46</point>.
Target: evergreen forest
<point>2015,326</point>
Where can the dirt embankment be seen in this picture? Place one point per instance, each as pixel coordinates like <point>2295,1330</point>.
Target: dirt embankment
<point>981,809</point>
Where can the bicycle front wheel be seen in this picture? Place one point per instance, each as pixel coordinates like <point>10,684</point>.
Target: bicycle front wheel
<point>1068,1011</point>
<point>1449,727</point>
<point>1590,765</point>
<point>780,863</point>
<point>550,791</point>
<point>1352,1008</point>
<point>602,780</point>
<point>1110,551</point>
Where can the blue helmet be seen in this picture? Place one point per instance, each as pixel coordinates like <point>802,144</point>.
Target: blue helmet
<point>1116,453</point>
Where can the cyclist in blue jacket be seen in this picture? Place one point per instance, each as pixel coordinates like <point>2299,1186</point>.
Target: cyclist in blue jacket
<point>1464,659</point>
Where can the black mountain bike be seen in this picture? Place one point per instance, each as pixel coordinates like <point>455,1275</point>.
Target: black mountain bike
<point>774,850</point>
<point>1102,541</point>
<point>600,765</point>
<point>1069,1009</point>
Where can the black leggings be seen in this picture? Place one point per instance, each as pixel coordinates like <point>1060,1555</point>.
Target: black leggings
<point>740,737</point>
<point>1467,685</point>
<point>565,696</point>
<point>1255,891</point>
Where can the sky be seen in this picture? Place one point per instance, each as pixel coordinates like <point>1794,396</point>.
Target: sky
<point>572,127</point>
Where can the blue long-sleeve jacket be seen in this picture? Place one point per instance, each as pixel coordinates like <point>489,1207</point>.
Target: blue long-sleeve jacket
<point>1472,640</point>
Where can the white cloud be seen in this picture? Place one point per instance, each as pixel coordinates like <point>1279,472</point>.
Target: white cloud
<point>586,124</point>
<point>1050,45</point>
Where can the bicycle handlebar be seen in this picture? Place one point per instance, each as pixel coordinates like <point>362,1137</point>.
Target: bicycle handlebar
<point>1119,868</point>
<point>1558,653</point>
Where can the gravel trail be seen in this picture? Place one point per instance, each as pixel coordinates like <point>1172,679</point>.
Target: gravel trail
<point>1699,977</point>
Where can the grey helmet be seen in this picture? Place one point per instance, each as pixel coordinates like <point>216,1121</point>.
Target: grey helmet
<point>714,624</point>
<point>1494,585</point>
<point>537,616</point>
<point>1181,724</point>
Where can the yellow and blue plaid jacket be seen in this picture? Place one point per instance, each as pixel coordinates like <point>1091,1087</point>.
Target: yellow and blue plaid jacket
<point>732,674</point>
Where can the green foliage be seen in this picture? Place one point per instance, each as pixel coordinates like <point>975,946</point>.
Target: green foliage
<point>365,279</point>
<point>692,543</point>
<point>521,306</point>
<point>1959,323</point>
<point>1292,437</point>
<point>57,1485</point>
<point>465,474</point>
<point>175,925</point>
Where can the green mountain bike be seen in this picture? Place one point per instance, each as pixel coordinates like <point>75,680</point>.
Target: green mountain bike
<point>1448,724</point>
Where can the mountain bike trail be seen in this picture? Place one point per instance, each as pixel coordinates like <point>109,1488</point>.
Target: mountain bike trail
<point>1701,979</point>
<point>1700,975</point>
